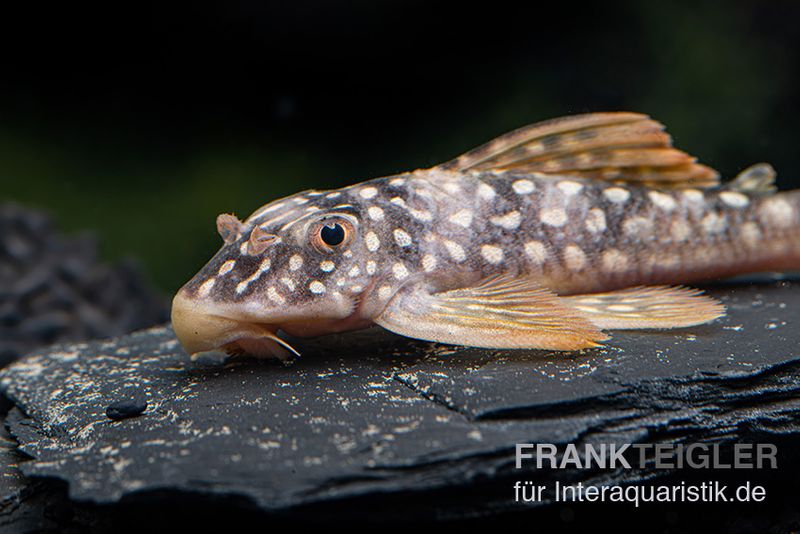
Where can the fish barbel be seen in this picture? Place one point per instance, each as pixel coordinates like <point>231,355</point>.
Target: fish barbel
<point>542,238</point>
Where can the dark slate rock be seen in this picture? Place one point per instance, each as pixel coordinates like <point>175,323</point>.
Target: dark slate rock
<point>54,289</point>
<point>370,414</point>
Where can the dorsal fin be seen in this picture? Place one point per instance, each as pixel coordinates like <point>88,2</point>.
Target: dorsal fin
<point>616,146</point>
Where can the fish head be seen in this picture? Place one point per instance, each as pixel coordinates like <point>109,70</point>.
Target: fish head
<point>294,265</point>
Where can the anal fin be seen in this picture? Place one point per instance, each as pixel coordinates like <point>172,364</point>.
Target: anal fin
<point>498,312</point>
<point>647,307</point>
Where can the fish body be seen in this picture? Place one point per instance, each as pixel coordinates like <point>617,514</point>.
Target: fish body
<point>542,238</point>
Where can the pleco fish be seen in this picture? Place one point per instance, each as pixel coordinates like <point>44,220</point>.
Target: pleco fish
<point>541,238</point>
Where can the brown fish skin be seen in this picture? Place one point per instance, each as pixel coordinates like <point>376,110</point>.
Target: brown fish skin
<point>502,257</point>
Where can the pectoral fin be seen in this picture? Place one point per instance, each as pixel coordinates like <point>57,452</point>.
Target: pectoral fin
<point>499,312</point>
<point>647,307</point>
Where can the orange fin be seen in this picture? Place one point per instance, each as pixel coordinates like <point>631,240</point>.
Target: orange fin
<point>617,147</point>
<point>501,312</point>
<point>647,307</point>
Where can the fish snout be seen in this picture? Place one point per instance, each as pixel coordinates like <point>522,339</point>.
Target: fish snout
<point>197,328</point>
<point>200,328</point>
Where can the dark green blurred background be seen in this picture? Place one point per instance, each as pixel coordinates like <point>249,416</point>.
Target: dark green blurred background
<point>142,123</point>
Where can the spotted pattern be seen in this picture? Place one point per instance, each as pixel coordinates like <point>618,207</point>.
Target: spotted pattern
<point>613,260</point>
<point>455,251</point>
<point>375,213</point>
<point>554,217</point>
<point>574,258</point>
<point>596,221</point>
<point>523,187</point>
<point>402,238</point>
<point>572,231</point>
<point>316,287</point>
<point>491,253</point>
<point>509,221</point>
<point>372,241</point>
<point>462,218</point>
<point>617,194</point>
<point>662,200</point>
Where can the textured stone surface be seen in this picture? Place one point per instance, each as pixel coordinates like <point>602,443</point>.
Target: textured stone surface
<point>372,414</point>
<point>54,288</point>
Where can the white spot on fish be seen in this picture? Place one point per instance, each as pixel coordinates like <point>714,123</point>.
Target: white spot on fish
<point>485,191</point>
<point>205,287</point>
<point>422,215</point>
<point>274,296</point>
<point>492,254</point>
<point>595,220</point>
<point>569,188</point>
<point>617,194</point>
<point>397,182</point>
<point>693,195</point>
<point>288,282</point>
<point>355,271</point>
<point>637,226</point>
<point>368,192</point>
<point>243,248</point>
<point>455,250</point>
<point>680,230</point>
<point>536,251</point>
<point>553,217</point>
<point>428,262</point>
<point>451,187</point>
<point>461,218</point>
<point>266,209</point>
<point>316,287</point>
<point>226,267</point>
<point>375,213</point>
<point>347,253</point>
<point>574,257</point>
<point>398,201</point>
<point>734,199</point>
<point>662,200</point>
<point>295,262</point>
<point>509,221</point>
<point>713,223</point>
<point>401,237</point>
<point>778,212</point>
<point>327,266</point>
<point>372,241</point>
<point>523,187</point>
<point>262,268</point>
<point>399,271</point>
<point>335,194</point>
<point>614,261</point>
<point>371,267</point>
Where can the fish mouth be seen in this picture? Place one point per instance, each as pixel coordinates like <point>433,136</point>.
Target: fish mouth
<point>200,330</point>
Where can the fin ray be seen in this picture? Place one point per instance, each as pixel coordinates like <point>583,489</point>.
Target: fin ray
<point>499,312</point>
<point>618,146</point>
<point>647,307</point>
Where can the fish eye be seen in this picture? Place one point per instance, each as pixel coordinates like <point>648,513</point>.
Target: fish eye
<point>332,234</point>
